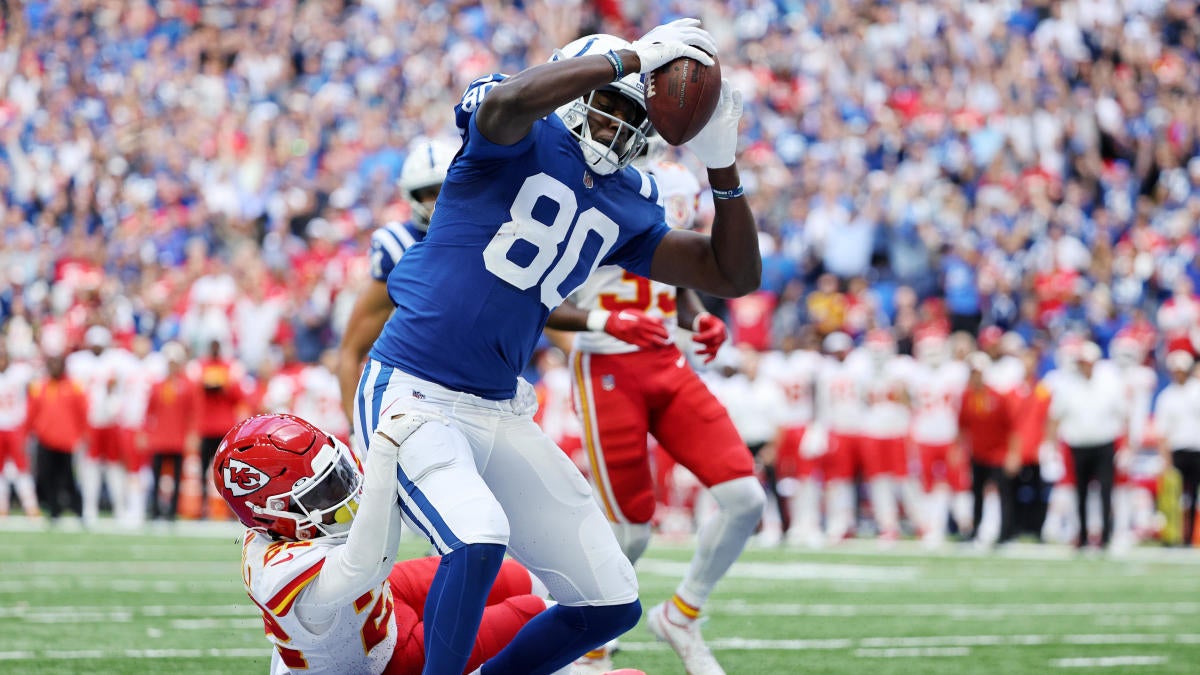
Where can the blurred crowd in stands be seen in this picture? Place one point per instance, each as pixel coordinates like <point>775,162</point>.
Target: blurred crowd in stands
<point>201,179</point>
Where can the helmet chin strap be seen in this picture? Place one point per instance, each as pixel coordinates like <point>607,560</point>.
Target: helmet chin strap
<point>600,157</point>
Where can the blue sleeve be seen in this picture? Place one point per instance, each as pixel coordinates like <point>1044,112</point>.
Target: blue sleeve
<point>477,148</point>
<point>385,251</point>
<point>637,253</point>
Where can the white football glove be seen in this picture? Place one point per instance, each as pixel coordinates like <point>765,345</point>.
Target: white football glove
<point>665,43</point>
<point>716,144</point>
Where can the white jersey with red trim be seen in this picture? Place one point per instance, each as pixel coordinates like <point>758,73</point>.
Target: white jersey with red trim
<point>14,395</point>
<point>359,639</point>
<point>841,395</point>
<point>102,377</point>
<point>614,289</point>
<point>140,378</point>
<point>888,414</point>
<point>936,398</point>
<point>1140,383</point>
<point>796,375</point>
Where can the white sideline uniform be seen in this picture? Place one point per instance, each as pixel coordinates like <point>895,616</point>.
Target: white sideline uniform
<point>554,526</point>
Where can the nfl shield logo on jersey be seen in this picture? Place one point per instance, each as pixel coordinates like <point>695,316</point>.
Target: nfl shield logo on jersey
<point>587,180</point>
<point>242,479</point>
<point>608,382</point>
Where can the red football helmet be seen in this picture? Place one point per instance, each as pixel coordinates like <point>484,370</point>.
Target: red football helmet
<point>286,477</point>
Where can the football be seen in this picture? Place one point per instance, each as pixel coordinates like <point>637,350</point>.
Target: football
<point>681,96</point>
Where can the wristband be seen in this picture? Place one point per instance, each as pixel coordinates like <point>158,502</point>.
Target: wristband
<point>615,62</point>
<point>596,319</point>
<point>728,194</point>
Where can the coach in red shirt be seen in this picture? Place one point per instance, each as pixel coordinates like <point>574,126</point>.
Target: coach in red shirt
<point>172,415</point>
<point>57,415</point>
<point>221,395</point>
<point>985,427</point>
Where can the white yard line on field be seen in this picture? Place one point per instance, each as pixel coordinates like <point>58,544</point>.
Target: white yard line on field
<point>1108,661</point>
<point>912,652</point>
<point>789,571</point>
<point>1106,611</point>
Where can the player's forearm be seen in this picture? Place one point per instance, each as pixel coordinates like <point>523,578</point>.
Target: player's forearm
<point>370,550</point>
<point>687,307</point>
<point>734,234</point>
<point>512,106</point>
<point>568,317</point>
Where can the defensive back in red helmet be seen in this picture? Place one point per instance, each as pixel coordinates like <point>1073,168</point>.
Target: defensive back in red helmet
<point>282,475</point>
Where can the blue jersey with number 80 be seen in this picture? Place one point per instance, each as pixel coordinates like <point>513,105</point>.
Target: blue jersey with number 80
<point>516,229</point>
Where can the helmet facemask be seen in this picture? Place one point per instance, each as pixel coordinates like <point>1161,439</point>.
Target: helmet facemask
<point>606,157</point>
<point>325,503</point>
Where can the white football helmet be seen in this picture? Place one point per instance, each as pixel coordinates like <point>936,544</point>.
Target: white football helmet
<point>425,167</point>
<point>631,138</point>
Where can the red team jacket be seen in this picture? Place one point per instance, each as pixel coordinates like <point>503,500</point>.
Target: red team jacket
<point>57,413</point>
<point>171,414</point>
<point>985,423</point>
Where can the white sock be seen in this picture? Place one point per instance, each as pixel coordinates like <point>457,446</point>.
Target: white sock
<point>89,488</point>
<point>4,501</point>
<point>806,508</point>
<point>883,503</point>
<point>911,498</point>
<point>114,478</point>
<point>937,511</point>
<point>720,541</point>
<point>27,493</point>
<point>839,508</point>
<point>1122,512</point>
<point>961,508</point>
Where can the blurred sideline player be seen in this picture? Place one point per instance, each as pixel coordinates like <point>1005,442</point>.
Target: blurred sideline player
<point>841,411</point>
<point>318,559</point>
<point>794,370</point>
<point>630,380</point>
<point>937,389</point>
<point>1127,364</point>
<point>420,182</point>
<point>525,215</point>
<point>101,369</point>
<point>15,379</point>
<point>885,430</point>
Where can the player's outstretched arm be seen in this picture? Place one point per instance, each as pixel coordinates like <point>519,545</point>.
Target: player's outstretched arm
<point>371,547</point>
<point>370,313</point>
<point>726,263</point>
<point>511,108</point>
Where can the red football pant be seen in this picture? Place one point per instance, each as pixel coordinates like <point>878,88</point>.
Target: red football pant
<point>885,456</point>
<point>623,397</point>
<point>790,462</point>
<point>846,457</point>
<point>104,444</point>
<point>12,449</point>
<point>937,467</point>
<point>509,608</point>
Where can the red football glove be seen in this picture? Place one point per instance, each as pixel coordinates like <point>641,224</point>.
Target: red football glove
<point>636,328</point>
<point>710,332</point>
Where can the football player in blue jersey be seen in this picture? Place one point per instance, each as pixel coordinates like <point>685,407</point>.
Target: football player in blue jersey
<point>539,194</point>
<point>420,182</point>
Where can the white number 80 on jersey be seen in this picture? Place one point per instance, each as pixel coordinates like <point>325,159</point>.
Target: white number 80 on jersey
<point>547,266</point>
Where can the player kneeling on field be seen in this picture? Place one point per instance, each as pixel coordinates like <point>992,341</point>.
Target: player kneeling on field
<point>319,557</point>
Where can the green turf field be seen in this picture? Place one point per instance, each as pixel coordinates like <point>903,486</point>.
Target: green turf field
<point>156,603</point>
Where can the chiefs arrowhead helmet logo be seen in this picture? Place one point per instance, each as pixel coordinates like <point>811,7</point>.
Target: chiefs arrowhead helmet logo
<point>242,479</point>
